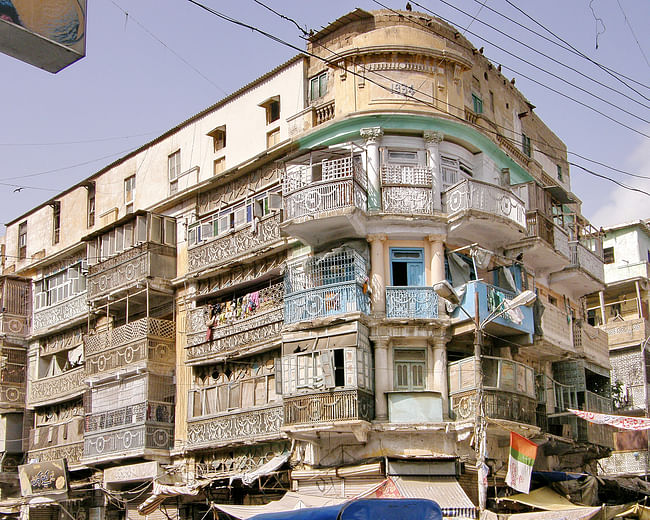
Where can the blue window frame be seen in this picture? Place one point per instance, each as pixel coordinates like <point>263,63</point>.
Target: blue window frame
<point>407,266</point>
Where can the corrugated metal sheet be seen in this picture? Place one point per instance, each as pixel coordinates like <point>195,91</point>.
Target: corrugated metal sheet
<point>446,491</point>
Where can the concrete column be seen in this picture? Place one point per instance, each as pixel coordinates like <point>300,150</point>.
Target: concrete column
<point>372,137</point>
<point>601,301</point>
<point>432,142</point>
<point>382,377</point>
<point>440,372</point>
<point>377,275</point>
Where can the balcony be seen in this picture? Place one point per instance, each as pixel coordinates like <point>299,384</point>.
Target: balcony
<point>483,213</point>
<point>407,189</point>
<point>337,198</point>
<point>618,272</point>
<point>130,415</point>
<point>15,306</point>
<point>60,315</point>
<point>516,322</point>
<point>591,343</point>
<point>583,275</point>
<point>56,388</point>
<point>12,378</point>
<point>509,389</point>
<point>246,240</point>
<point>145,340</point>
<point>252,328</point>
<point>411,303</point>
<point>627,332</point>
<point>246,426</point>
<point>147,261</point>
<point>546,245</point>
<point>556,340</point>
<point>142,440</point>
<point>322,302</point>
<point>328,408</point>
<point>57,441</point>
<point>625,463</point>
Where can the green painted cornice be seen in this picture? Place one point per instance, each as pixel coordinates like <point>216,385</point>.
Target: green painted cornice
<point>348,130</point>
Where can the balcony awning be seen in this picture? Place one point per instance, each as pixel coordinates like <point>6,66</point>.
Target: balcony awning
<point>289,502</point>
<point>164,491</point>
<point>265,469</point>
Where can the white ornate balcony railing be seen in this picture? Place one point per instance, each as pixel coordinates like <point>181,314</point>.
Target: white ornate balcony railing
<point>411,302</point>
<point>325,196</point>
<point>67,384</point>
<point>71,452</point>
<point>128,333</point>
<point>70,309</point>
<point>556,328</point>
<point>148,339</point>
<point>591,343</point>
<point>498,405</point>
<point>325,301</point>
<point>338,405</point>
<point>105,445</point>
<point>583,258</point>
<point>246,240</point>
<point>131,266</point>
<point>628,331</point>
<point>148,411</point>
<point>484,197</point>
<point>245,425</point>
<point>407,189</point>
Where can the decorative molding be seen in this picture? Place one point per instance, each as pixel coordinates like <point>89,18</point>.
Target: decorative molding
<point>71,452</point>
<point>128,439</point>
<point>51,316</point>
<point>61,385</point>
<point>152,350</point>
<point>372,134</point>
<point>433,137</point>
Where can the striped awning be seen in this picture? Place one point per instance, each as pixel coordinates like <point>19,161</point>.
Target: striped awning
<point>446,491</point>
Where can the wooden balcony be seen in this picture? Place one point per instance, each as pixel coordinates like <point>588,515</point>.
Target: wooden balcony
<point>627,332</point>
<point>72,452</point>
<point>15,306</point>
<point>148,260</point>
<point>483,213</point>
<point>415,303</point>
<point>56,388</point>
<point>238,426</point>
<point>60,315</point>
<point>407,189</point>
<point>12,377</point>
<point>147,411</point>
<point>148,440</point>
<point>591,343</point>
<point>244,241</point>
<point>337,200</point>
<point>327,408</point>
<point>147,340</point>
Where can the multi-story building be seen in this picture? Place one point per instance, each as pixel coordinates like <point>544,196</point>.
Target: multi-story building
<point>253,290</point>
<point>621,310</point>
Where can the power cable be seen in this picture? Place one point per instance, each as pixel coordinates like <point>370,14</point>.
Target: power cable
<point>170,49</point>
<point>633,34</point>
<point>301,29</point>
<point>564,47</point>
<point>83,141</point>
<point>616,76</point>
<point>550,74</point>
<point>551,58</point>
<point>292,46</point>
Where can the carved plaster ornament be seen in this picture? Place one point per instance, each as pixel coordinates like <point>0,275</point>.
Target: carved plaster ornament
<point>372,135</point>
<point>433,136</point>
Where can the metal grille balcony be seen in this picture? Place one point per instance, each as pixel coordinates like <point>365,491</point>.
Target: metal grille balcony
<point>407,189</point>
<point>411,303</point>
<point>342,405</point>
<point>325,301</point>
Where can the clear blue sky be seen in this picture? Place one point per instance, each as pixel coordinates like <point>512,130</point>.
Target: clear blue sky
<point>130,87</point>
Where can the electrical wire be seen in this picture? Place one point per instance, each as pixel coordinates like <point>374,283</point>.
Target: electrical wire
<point>616,76</point>
<point>633,34</point>
<point>311,54</point>
<point>83,141</point>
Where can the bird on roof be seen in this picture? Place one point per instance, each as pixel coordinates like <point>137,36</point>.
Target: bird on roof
<point>408,6</point>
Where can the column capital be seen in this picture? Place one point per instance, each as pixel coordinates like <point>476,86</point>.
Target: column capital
<point>433,136</point>
<point>437,238</point>
<point>372,134</point>
<point>380,342</point>
<point>377,237</point>
<point>440,338</point>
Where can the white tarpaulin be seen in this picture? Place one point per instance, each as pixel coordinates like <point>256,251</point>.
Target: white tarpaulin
<point>265,469</point>
<point>289,502</point>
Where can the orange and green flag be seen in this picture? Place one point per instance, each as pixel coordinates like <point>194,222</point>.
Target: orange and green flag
<point>521,462</point>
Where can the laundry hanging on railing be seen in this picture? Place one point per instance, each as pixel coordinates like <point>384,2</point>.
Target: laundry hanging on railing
<point>618,421</point>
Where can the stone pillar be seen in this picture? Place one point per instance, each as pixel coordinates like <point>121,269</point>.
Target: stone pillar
<point>377,275</point>
<point>440,371</point>
<point>437,267</point>
<point>372,137</point>
<point>432,142</point>
<point>382,377</point>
